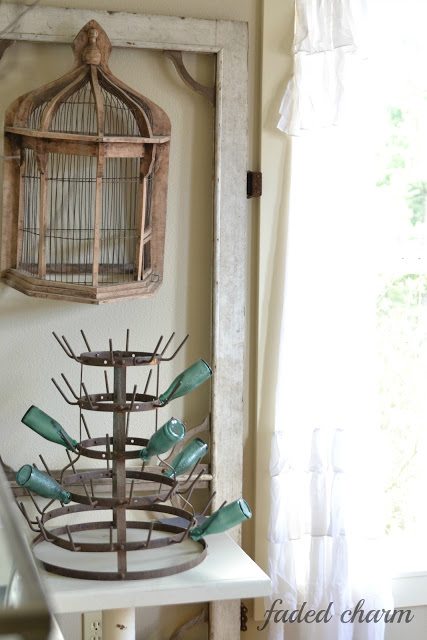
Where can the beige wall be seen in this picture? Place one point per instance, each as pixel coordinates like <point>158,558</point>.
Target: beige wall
<point>29,354</point>
<point>275,162</point>
<point>278,22</point>
<point>183,304</point>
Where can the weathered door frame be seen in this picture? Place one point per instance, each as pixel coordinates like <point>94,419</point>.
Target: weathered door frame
<point>228,41</point>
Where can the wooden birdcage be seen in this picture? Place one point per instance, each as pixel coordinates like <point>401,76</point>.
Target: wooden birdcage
<point>85,184</point>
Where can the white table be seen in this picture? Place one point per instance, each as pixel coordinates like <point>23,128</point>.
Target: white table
<point>227,573</point>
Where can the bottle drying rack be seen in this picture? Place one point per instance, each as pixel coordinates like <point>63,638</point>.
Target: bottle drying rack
<point>115,451</point>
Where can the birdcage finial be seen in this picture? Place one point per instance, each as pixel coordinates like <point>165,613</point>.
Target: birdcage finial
<point>91,53</point>
<point>92,46</point>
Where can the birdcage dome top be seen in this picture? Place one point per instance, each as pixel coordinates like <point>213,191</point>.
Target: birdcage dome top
<point>89,101</point>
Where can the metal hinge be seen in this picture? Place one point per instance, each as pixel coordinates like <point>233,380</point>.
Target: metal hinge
<point>254,184</point>
<point>243,617</point>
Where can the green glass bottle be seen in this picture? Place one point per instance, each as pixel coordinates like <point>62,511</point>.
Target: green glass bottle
<point>164,439</point>
<point>226,518</point>
<point>42,484</point>
<point>47,427</point>
<point>189,379</point>
<point>188,457</point>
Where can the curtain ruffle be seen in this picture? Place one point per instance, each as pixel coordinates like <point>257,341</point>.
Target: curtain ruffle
<point>329,43</point>
<point>326,25</point>
<point>318,551</point>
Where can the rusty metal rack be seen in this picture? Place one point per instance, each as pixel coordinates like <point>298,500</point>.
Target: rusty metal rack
<point>171,499</point>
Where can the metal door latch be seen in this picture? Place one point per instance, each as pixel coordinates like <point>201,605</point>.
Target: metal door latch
<point>254,184</point>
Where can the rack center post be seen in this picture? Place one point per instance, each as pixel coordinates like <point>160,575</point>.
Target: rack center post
<point>119,464</point>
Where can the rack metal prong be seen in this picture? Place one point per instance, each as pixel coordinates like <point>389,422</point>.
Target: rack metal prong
<point>131,491</point>
<point>62,393</point>
<point>73,546</point>
<point>178,349</point>
<point>148,382</point>
<point>190,505</point>
<point>85,339</point>
<point>87,395</point>
<point>170,467</point>
<point>133,398</point>
<point>107,450</point>
<point>111,351</point>
<point>191,473</point>
<point>34,501</point>
<point>111,538</point>
<point>62,346</point>
<point>190,489</point>
<point>71,462</point>
<point>30,522</point>
<point>91,502</point>
<point>168,343</point>
<point>155,350</point>
<point>70,349</point>
<point>150,531</point>
<point>83,419</point>
<point>69,386</point>
<point>127,339</point>
<point>172,489</point>
<point>207,505</point>
<point>160,484</point>
<point>43,530</point>
<point>44,464</point>
<point>106,381</point>
<point>172,393</point>
<point>46,507</point>
<point>187,531</point>
<point>130,409</point>
<point>67,466</point>
<point>69,443</point>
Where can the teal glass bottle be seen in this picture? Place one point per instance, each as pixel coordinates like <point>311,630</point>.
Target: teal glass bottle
<point>47,427</point>
<point>188,457</point>
<point>164,439</point>
<point>42,484</point>
<point>223,519</point>
<point>189,379</point>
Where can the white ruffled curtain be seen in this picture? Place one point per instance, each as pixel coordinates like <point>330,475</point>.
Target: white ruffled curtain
<point>329,42</point>
<point>326,527</point>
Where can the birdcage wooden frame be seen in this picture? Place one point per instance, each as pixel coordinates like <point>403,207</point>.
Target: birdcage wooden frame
<point>89,158</point>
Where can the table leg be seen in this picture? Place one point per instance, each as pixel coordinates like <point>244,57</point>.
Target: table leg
<point>224,620</point>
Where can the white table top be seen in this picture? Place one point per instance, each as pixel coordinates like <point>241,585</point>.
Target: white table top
<point>226,573</point>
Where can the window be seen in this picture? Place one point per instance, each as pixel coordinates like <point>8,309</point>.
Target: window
<point>400,208</point>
